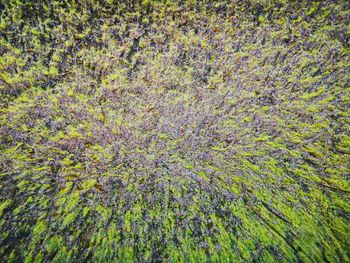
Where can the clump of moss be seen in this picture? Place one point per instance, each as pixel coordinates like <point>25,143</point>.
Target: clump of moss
<point>149,131</point>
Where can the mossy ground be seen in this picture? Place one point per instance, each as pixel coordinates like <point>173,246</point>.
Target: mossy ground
<point>190,131</point>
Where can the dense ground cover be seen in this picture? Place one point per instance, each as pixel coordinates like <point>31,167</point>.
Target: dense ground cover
<point>174,131</point>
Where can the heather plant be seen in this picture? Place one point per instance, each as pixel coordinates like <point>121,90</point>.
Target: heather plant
<point>174,131</point>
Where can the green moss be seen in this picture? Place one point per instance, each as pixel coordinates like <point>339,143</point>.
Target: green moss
<point>69,219</point>
<point>87,184</point>
<point>176,132</point>
<point>4,205</point>
<point>39,228</point>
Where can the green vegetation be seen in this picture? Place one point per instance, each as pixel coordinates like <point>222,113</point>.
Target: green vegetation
<point>174,131</point>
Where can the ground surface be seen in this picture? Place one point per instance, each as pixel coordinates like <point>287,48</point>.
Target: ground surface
<point>195,131</point>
